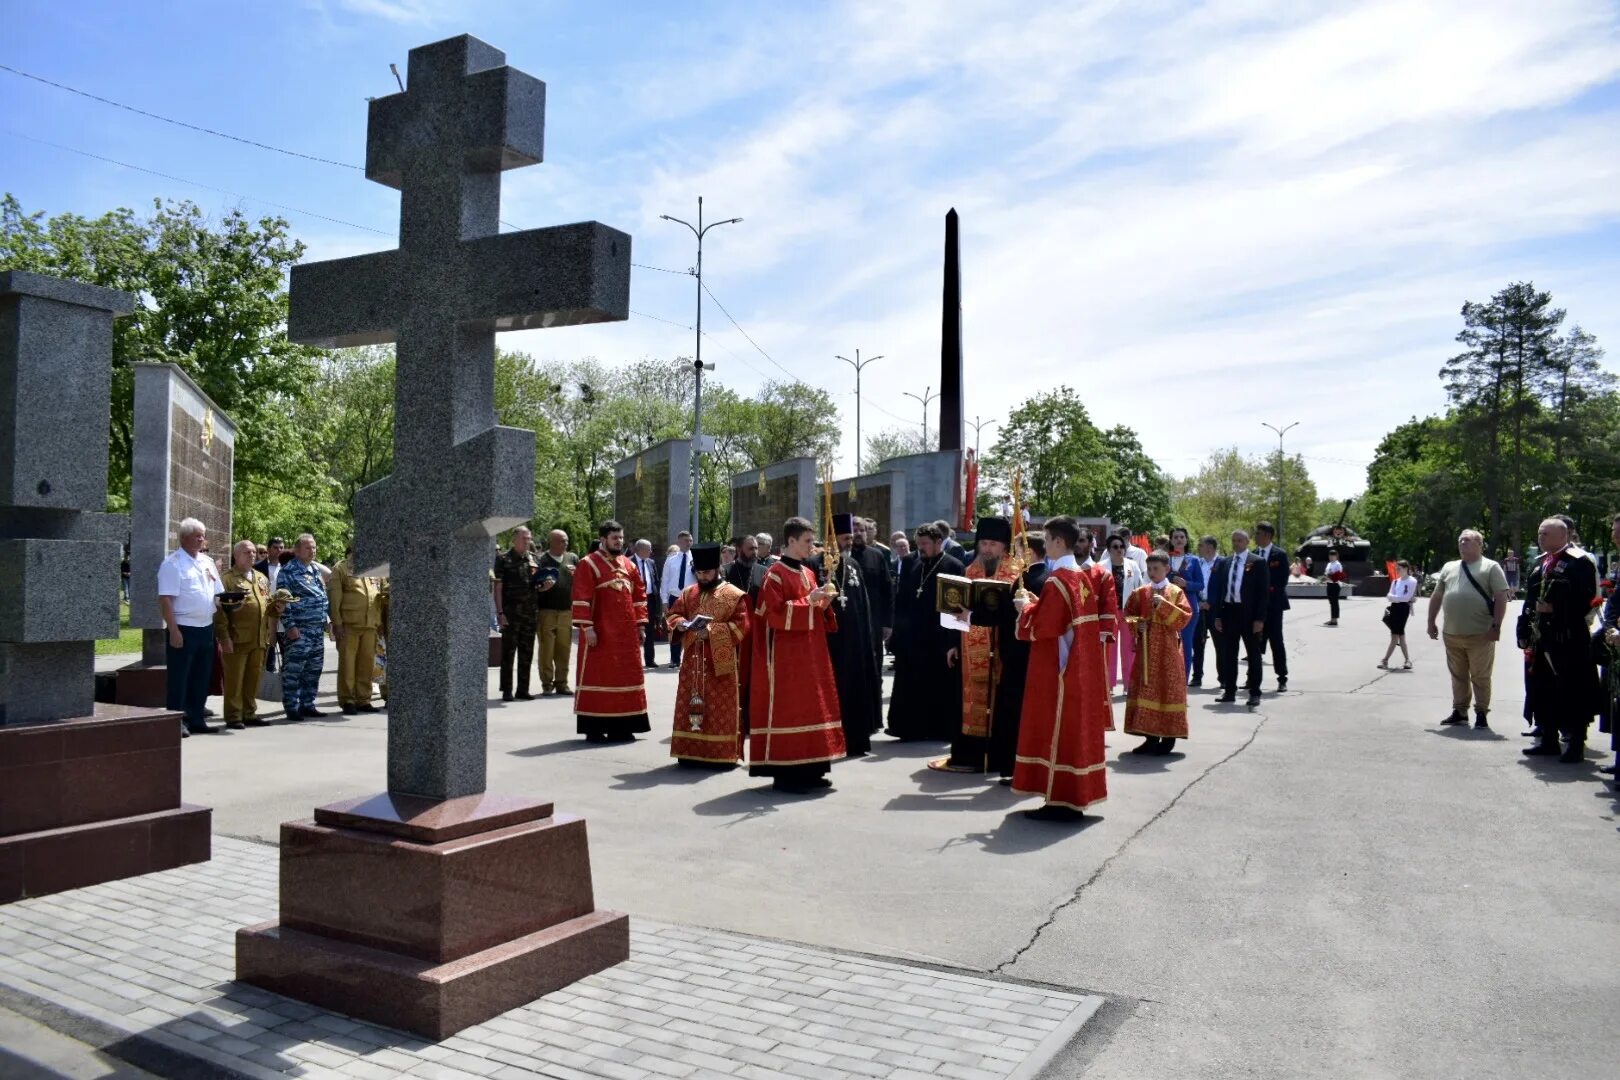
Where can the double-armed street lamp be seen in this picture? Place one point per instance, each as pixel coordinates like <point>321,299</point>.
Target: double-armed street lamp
<point>858,364</point>
<point>698,366</point>
<point>927,397</point>
<point>1281,464</point>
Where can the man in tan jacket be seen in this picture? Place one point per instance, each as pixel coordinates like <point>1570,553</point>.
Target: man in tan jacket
<point>356,611</point>
<point>245,627</point>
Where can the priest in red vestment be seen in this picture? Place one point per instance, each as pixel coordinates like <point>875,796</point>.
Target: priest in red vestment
<point>610,607</point>
<point>1156,701</point>
<point>796,728</point>
<point>708,728</point>
<point>1060,738</point>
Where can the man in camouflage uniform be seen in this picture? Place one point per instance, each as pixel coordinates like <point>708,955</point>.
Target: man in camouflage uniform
<point>518,611</point>
<point>304,621</point>
<point>356,611</point>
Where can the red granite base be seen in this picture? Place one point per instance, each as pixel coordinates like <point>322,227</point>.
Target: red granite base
<point>55,860</point>
<point>92,799</point>
<point>138,684</point>
<point>432,916</point>
<point>494,650</point>
<point>431,1000</point>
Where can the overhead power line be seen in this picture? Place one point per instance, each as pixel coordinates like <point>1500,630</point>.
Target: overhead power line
<point>193,183</point>
<point>177,123</point>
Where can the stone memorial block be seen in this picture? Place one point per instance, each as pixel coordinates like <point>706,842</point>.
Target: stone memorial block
<point>791,488</point>
<point>930,488</point>
<point>652,493</point>
<point>434,906</point>
<point>874,497</point>
<point>88,792</point>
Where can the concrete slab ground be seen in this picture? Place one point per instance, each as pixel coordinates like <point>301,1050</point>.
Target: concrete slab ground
<point>1332,885</point>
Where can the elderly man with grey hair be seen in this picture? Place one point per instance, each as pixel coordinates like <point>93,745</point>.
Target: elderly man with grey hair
<point>1471,593</point>
<point>304,618</point>
<point>188,585</point>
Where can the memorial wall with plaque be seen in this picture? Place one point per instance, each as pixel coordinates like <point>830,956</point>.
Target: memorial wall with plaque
<point>762,499</point>
<point>652,493</point>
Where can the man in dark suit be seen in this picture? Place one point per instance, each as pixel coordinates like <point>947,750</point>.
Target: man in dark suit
<point>1277,570</point>
<point>655,603</point>
<point>1560,690</point>
<point>1237,595</point>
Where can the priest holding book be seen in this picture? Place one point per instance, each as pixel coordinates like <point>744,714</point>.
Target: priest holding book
<point>711,616</point>
<point>991,659</point>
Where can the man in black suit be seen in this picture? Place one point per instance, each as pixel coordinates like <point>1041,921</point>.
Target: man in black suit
<point>1237,595</point>
<point>1560,690</point>
<point>1277,570</point>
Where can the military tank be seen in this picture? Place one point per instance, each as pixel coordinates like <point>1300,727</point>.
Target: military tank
<point>1354,552</point>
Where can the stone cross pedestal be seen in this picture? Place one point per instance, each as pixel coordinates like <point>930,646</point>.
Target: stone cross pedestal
<point>88,793</point>
<point>434,906</point>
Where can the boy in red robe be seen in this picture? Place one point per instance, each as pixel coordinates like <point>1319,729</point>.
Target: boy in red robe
<point>707,702</point>
<point>1060,737</point>
<point>1156,702</point>
<point>610,607</point>
<point>796,729</point>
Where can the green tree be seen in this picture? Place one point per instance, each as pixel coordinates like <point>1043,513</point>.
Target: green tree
<point>1051,441</point>
<point>211,297</point>
<point>1139,495</point>
<point>1232,491</point>
<point>1496,385</point>
<point>889,443</point>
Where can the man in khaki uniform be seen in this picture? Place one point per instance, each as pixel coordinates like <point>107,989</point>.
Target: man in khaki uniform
<point>554,592</point>
<point>356,611</point>
<point>245,629</point>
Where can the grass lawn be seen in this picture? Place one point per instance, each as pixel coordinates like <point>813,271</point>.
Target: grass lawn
<point>128,639</point>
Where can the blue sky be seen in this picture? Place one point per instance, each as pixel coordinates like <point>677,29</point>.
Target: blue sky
<point>1202,216</point>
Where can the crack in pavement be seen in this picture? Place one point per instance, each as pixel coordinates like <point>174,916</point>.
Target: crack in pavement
<point>1034,937</point>
<point>1376,678</point>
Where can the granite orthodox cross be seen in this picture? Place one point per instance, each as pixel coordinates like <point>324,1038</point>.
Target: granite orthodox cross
<point>440,297</point>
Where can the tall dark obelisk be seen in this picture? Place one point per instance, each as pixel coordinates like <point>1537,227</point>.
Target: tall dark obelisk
<point>951,427</point>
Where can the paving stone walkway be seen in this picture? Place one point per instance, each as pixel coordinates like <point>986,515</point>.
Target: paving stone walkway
<point>153,957</point>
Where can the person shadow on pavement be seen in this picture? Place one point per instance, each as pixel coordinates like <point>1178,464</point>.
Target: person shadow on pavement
<point>1467,733</point>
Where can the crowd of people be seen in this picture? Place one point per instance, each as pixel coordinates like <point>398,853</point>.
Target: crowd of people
<point>781,644</point>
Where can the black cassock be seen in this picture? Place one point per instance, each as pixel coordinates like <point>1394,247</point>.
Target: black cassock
<point>879,581</point>
<point>926,701</point>
<point>854,660</point>
<point>1560,682</point>
<point>995,754</point>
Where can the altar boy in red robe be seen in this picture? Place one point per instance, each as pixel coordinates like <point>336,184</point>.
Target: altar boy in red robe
<point>610,607</point>
<point>796,729</point>
<point>1060,737</point>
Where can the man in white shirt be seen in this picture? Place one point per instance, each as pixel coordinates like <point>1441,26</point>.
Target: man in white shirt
<point>676,575</point>
<point>188,584</point>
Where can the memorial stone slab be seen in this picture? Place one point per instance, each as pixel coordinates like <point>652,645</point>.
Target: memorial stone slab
<point>790,488</point>
<point>931,487</point>
<point>875,496</point>
<point>88,792</point>
<point>183,466</point>
<point>652,493</point>
<point>458,479</point>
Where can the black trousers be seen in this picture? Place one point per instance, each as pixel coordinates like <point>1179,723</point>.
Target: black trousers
<point>1333,600</point>
<point>1200,636</point>
<point>1272,638</point>
<point>189,669</point>
<point>517,643</point>
<point>1237,633</point>
<point>649,637</point>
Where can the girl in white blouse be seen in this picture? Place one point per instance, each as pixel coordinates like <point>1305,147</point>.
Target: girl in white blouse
<point>1402,591</point>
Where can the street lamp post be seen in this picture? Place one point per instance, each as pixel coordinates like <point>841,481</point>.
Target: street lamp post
<point>698,366</point>
<point>857,364</point>
<point>927,397</point>
<point>1281,464</point>
<point>978,426</point>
